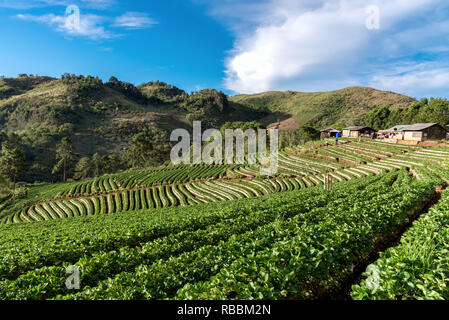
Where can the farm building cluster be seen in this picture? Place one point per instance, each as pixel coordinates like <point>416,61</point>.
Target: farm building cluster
<point>407,134</point>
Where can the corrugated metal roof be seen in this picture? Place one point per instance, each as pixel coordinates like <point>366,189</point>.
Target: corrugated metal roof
<point>330,130</point>
<point>412,127</point>
<point>357,128</point>
<point>399,127</point>
<point>418,126</point>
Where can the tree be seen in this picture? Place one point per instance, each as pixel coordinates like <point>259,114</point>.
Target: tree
<point>309,133</point>
<point>66,156</point>
<point>111,163</point>
<point>84,168</point>
<point>4,187</point>
<point>113,80</point>
<point>139,152</point>
<point>378,118</point>
<point>12,163</point>
<point>243,125</point>
<point>290,138</point>
<point>97,163</point>
<point>207,106</point>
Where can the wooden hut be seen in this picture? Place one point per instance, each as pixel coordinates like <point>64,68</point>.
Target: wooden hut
<point>329,133</point>
<point>358,131</point>
<point>424,132</point>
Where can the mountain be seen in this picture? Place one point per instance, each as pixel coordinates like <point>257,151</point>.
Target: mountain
<point>37,112</point>
<point>339,108</point>
<point>104,116</point>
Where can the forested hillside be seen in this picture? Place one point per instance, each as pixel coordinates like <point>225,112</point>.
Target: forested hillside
<point>80,126</point>
<point>106,119</point>
<point>340,108</point>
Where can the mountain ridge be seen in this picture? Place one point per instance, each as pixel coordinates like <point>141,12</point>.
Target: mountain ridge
<point>343,107</point>
<point>103,117</point>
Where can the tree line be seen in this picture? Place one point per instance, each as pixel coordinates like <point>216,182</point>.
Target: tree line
<point>426,110</point>
<point>140,153</point>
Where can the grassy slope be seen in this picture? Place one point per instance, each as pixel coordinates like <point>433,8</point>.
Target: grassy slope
<point>14,86</point>
<point>24,103</point>
<point>342,107</point>
<point>27,112</point>
<point>103,118</point>
<point>33,106</point>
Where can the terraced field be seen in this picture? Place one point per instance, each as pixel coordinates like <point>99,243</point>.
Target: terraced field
<point>224,232</point>
<point>190,185</point>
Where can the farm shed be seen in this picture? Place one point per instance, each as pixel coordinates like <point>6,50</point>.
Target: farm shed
<point>355,132</point>
<point>329,133</point>
<point>398,128</point>
<point>397,132</point>
<point>424,132</point>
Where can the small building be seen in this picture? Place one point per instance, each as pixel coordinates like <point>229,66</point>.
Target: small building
<point>330,133</point>
<point>358,131</point>
<point>398,128</point>
<point>397,132</point>
<point>424,132</point>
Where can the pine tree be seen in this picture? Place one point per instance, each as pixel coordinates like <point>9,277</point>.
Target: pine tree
<point>97,163</point>
<point>66,156</point>
<point>84,168</point>
<point>12,163</point>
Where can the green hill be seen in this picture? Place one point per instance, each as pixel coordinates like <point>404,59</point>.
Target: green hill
<point>37,112</point>
<point>321,109</point>
<point>103,117</point>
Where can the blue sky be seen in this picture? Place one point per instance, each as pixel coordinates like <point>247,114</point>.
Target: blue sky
<point>179,44</point>
<point>238,46</point>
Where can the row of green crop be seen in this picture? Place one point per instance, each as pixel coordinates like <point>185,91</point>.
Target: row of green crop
<point>278,246</point>
<point>24,248</point>
<point>174,174</point>
<point>163,278</point>
<point>321,254</point>
<point>418,268</point>
<point>373,154</point>
<point>244,222</point>
<point>301,167</point>
<point>377,150</point>
<point>146,177</point>
<point>344,154</point>
<point>314,164</point>
<point>157,197</point>
<point>387,147</point>
<point>140,199</point>
<point>167,174</point>
<point>99,185</point>
<point>102,265</point>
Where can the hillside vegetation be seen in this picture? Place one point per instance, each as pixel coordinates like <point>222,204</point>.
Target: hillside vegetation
<point>285,238</point>
<point>108,119</point>
<point>36,113</point>
<point>132,225</point>
<point>339,108</point>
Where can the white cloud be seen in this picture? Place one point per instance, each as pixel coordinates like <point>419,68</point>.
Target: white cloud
<point>134,20</point>
<point>296,42</point>
<point>285,50</point>
<point>89,26</point>
<point>418,78</point>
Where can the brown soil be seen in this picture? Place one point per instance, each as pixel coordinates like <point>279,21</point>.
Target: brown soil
<point>288,125</point>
